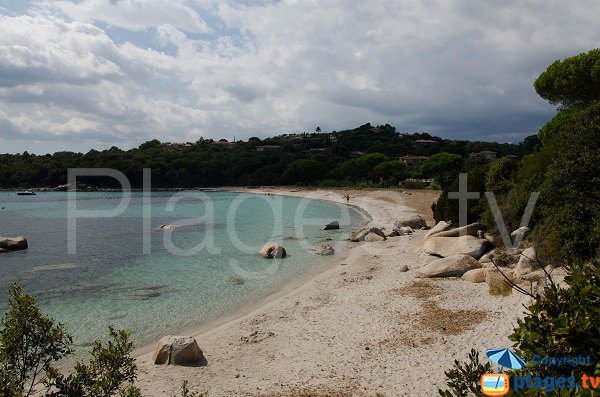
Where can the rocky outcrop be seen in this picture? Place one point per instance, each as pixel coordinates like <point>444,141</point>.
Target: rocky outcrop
<point>475,275</point>
<point>272,251</point>
<point>452,266</point>
<point>13,243</point>
<point>360,234</point>
<point>469,230</point>
<point>177,350</point>
<point>449,246</point>
<point>332,226</point>
<point>441,226</point>
<point>415,221</point>
<point>324,250</point>
<point>520,233</point>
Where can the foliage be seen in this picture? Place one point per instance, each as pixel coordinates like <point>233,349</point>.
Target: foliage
<point>571,189</point>
<point>563,119</point>
<point>110,368</point>
<point>30,343</point>
<point>564,322</point>
<point>442,166</point>
<point>185,391</point>
<point>303,171</point>
<point>575,80</point>
<point>393,170</point>
<point>463,379</point>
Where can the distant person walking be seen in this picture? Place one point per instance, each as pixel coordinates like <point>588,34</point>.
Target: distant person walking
<point>347,198</point>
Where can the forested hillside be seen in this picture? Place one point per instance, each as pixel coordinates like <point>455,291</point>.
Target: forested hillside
<point>363,154</point>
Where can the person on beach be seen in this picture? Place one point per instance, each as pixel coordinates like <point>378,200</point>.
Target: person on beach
<point>347,198</point>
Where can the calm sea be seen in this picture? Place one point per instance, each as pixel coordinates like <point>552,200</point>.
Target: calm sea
<point>180,278</point>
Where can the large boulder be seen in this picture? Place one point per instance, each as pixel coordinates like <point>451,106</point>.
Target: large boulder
<point>324,250</point>
<point>469,230</point>
<point>520,232</point>
<point>441,226</point>
<point>13,243</point>
<point>453,266</point>
<point>177,350</point>
<point>415,221</point>
<point>527,262</point>
<point>360,234</point>
<point>332,226</point>
<point>497,281</point>
<point>272,251</point>
<point>475,275</point>
<point>449,246</point>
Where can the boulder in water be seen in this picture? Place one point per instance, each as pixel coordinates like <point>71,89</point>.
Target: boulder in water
<point>272,251</point>
<point>13,243</point>
<point>332,226</point>
<point>324,250</point>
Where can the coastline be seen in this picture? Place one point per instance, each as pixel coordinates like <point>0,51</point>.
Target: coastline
<point>355,329</point>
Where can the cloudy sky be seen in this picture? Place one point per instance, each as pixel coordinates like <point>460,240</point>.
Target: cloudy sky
<point>84,74</point>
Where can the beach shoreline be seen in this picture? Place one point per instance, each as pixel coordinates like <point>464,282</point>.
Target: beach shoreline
<point>358,328</point>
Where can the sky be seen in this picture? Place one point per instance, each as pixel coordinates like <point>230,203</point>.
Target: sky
<point>77,75</point>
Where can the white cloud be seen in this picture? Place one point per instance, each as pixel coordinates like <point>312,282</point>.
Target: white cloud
<point>453,68</point>
<point>128,14</point>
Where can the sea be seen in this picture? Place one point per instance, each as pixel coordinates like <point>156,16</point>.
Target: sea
<point>159,263</point>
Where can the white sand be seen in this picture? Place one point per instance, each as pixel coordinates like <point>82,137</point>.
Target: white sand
<point>353,330</point>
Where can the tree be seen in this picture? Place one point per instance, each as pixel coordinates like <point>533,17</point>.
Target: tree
<point>304,171</point>
<point>318,129</point>
<point>30,344</point>
<point>366,164</point>
<point>575,80</point>
<point>393,169</point>
<point>442,166</point>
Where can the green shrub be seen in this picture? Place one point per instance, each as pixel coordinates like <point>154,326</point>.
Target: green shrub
<point>463,379</point>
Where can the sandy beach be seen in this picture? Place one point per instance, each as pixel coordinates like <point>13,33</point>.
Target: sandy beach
<point>359,328</point>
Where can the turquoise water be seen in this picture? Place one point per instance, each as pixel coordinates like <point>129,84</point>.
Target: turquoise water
<point>110,280</point>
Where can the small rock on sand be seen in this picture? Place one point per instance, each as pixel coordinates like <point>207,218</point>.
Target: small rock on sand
<point>475,275</point>
<point>235,280</point>
<point>177,350</point>
<point>403,268</point>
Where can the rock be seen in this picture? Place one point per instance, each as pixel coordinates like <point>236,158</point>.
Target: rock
<point>167,227</point>
<point>449,246</point>
<point>480,234</point>
<point>235,280</point>
<point>177,350</point>
<point>487,257</point>
<point>415,221</point>
<point>272,251</point>
<point>452,266</point>
<point>475,275</point>
<point>393,233</point>
<point>332,226</point>
<point>469,230</point>
<point>324,250</point>
<point>520,232</point>
<point>403,268</point>
<point>440,227</point>
<point>360,234</point>
<point>406,230</point>
<point>537,275</point>
<point>13,243</point>
<point>497,283</point>
<point>527,262</point>
<point>372,237</point>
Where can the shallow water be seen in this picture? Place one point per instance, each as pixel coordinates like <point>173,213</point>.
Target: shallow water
<point>110,281</point>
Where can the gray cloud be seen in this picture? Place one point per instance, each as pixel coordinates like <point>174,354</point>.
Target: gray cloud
<point>453,68</point>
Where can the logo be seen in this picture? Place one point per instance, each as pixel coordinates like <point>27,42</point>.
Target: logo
<point>495,384</point>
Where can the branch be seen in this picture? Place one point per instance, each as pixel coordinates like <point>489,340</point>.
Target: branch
<point>513,285</point>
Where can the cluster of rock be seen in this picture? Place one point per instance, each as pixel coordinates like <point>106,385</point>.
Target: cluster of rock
<point>177,350</point>
<point>469,253</point>
<point>13,243</point>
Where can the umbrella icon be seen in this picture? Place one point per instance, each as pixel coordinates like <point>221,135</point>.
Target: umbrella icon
<point>505,358</point>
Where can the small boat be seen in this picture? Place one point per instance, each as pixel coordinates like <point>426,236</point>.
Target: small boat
<point>26,193</point>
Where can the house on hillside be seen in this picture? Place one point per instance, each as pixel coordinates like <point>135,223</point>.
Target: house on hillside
<point>421,143</point>
<point>268,148</point>
<point>178,145</point>
<point>484,154</point>
<point>223,145</point>
<point>413,160</point>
